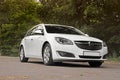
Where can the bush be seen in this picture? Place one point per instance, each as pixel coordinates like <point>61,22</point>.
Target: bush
<point>17,17</point>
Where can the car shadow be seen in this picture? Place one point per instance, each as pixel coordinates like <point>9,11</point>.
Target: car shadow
<point>76,65</point>
<point>35,62</point>
<point>67,64</point>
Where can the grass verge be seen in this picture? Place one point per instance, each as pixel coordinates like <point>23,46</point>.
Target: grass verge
<point>116,59</point>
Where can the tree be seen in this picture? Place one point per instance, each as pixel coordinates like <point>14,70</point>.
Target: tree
<point>17,17</point>
<point>99,18</point>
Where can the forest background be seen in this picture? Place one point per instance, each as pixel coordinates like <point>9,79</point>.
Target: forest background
<point>97,18</point>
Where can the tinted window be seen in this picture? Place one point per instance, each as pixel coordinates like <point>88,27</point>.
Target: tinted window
<point>30,32</point>
<point>62,30</point>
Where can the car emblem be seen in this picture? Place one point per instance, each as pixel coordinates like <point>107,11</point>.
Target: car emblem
<point>89,43</point>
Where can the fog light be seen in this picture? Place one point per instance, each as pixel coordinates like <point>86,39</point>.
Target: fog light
<point>65,54</point>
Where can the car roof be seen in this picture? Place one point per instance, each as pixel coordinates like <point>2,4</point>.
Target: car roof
<point>57,25</point>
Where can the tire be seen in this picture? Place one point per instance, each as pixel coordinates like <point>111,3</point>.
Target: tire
<point>22,55</point>
<point>47,55</point>
<point>95,63</point>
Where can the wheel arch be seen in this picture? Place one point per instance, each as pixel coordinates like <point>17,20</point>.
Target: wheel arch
<point>44,45</point>
<point>21,46</point>
<point>50,62</point>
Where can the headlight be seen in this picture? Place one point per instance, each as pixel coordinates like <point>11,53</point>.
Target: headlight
<point>63,41</point>
<point>104,44</point>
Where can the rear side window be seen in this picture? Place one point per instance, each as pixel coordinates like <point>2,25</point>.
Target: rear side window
<point>31,31</point>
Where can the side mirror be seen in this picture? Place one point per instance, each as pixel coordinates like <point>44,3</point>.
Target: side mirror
<point>38,32</point>
<point>86,35</point>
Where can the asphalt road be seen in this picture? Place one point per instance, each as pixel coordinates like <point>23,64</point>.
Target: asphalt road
<point>12,69</point>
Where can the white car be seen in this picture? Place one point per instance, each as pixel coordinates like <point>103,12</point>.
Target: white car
<point>58,43</point>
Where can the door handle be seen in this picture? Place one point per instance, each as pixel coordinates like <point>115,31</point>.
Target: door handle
<point>31,39</point>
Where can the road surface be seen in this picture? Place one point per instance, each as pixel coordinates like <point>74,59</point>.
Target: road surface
<point>12,69</point>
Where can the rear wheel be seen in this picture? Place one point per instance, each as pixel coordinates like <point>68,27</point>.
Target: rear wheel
<point>47,55</point>
<point>22,55</point>
<point>95,63</point>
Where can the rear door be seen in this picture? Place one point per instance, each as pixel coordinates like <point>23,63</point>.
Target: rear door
<point>37,41</point>
<point>29,43</point>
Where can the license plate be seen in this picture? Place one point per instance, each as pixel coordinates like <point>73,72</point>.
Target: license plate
<point>87,53</point>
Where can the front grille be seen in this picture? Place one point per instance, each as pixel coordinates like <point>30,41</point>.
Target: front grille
<point>89,45</point>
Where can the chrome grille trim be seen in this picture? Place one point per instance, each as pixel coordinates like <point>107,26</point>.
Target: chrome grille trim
<point>89,45</point>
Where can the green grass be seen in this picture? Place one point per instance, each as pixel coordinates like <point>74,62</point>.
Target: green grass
<point>116,59</point>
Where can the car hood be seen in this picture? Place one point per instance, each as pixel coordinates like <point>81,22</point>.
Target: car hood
<point>76,37</point>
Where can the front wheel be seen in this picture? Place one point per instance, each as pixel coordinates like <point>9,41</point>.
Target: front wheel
<point>47,55</point>
<point>95,63</point>
<point>22,55</point>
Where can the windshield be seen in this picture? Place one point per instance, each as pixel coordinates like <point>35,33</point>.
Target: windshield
<point>62,30</point>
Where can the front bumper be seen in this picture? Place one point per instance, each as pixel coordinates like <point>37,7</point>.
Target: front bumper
<point>79,54</point>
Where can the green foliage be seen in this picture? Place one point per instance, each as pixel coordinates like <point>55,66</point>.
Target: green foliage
<point>17,16</point>
<point>114,58</point>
